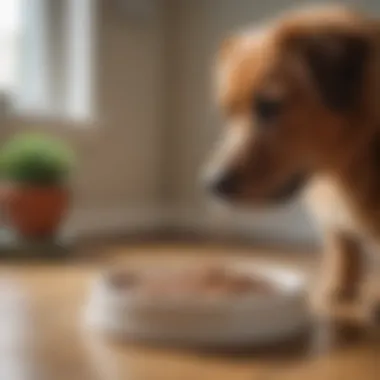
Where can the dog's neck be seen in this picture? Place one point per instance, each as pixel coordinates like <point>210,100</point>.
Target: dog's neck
<point>359,178</point>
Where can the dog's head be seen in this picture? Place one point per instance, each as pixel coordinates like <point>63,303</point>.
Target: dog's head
<point>290,93</point>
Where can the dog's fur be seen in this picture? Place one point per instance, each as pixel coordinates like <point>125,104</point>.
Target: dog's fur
<point>301,99</point>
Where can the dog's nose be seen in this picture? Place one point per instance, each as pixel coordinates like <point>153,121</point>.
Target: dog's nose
<point>225,185</point>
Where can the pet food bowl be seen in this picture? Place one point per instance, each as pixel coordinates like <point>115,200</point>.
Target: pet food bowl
<point>254,319</point>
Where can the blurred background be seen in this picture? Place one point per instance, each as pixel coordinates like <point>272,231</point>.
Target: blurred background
<point>127,84</point>
<point>107,115</point>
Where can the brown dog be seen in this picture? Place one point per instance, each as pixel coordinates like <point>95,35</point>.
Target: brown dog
<point>301,98</point>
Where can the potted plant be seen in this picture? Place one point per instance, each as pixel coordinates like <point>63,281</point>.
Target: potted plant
<point>36,167</point>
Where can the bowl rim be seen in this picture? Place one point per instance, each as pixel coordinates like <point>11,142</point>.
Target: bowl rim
<point>294,280</point>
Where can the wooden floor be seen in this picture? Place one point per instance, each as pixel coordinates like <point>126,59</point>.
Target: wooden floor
<point>41,336</point>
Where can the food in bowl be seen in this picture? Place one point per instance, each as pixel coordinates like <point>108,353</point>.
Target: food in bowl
<point>211,281</point>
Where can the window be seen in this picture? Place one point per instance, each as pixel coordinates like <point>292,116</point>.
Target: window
<point>46,61</point>
<point>80,15</point>
<point>9,43</point>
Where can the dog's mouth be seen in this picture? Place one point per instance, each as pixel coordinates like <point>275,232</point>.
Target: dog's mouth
<point>282,194</point>
<point>290,189</point>
<point>230,190</point>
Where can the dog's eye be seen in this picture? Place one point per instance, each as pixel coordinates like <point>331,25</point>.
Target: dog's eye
<point>267,109</point>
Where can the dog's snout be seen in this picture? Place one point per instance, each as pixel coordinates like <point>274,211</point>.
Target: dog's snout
<point>225,185</point>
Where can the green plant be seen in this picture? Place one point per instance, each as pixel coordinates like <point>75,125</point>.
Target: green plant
<point>36,159</point>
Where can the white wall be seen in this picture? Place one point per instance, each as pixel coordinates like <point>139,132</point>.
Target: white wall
<point>118,181</point>
<point>139,167</point>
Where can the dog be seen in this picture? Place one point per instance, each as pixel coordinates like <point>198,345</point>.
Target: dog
<point>300,96</point>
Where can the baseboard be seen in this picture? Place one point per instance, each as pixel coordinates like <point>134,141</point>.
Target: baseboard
<point>280,228</point>
<point>114,220</point>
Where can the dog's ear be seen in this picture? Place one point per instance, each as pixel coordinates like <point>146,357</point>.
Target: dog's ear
<point>336,62</point>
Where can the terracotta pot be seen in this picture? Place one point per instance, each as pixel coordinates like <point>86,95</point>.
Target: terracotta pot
<point>36,212</point>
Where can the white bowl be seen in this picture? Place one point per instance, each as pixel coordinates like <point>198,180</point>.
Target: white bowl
<point>249,320</point>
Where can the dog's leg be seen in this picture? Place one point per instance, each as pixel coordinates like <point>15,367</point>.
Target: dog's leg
<point>371,291</point>
<point>342,270</point>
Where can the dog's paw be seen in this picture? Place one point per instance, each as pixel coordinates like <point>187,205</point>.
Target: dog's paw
<point>344,295</point>
<point>375,314</point>
<point>372,310</point>
<point>328,298</point>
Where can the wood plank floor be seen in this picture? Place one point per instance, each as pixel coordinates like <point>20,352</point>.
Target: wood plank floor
<point>41,336</point>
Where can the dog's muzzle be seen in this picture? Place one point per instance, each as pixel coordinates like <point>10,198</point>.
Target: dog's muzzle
<point>227,186</point>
